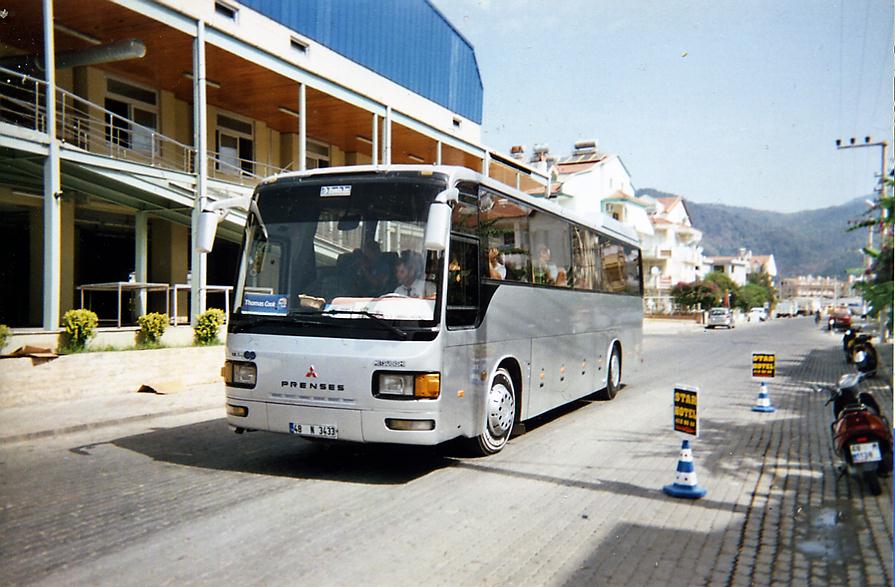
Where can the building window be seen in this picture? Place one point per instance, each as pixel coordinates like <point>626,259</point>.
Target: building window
<point>317,155</point>
<point>299,45</point>
<point>225,10</point>
<point>131,117</point>
<point>235,146</point>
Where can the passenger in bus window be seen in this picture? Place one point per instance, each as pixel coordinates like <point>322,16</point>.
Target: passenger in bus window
<point>546,271</point>
<point>373,270</point>
<point>496,267</point>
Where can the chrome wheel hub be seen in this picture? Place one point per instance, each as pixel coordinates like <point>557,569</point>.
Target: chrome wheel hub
<point>614,370</point>
<point>501,410</point>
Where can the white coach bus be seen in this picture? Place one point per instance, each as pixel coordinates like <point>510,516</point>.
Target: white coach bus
<point>415,304</point>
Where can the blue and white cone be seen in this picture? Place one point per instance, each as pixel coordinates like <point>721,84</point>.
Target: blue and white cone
<point>763,403</point>
<point>685,483</point>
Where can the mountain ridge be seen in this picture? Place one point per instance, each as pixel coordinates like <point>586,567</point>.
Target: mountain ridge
<point>814,242</point>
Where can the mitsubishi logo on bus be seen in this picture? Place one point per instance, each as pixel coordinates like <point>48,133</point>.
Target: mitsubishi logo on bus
<point>312,374</point>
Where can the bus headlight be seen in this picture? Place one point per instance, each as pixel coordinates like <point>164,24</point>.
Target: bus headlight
<point>409,385</point>
<point>240,374</point>
<point>395,384</point>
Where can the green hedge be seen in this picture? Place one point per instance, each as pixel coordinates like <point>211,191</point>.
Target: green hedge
<point>207,325</point>
<point>80,326</point>
<point>152,327</point>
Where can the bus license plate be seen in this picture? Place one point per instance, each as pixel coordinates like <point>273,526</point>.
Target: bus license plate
<point>866,452</point>
<point>316,430</point>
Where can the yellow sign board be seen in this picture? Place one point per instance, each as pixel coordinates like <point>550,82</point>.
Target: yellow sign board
<point>686,412</point>
<point>764,365</point>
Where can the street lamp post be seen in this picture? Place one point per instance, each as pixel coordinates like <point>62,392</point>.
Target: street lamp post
<point>884,147</point>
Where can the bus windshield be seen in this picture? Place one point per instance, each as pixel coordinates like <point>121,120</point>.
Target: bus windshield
<point>343,248</point>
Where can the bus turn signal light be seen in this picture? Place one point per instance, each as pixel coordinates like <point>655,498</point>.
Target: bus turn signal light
<point>240,411</point>
<point>427,385</point>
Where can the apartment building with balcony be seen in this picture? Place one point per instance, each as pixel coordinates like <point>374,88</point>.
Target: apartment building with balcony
<point>673,253</point>
<point>159,106</point>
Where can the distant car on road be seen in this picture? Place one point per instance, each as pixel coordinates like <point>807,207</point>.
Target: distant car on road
<point>720,317</point>
<point>759,314</point>
<point>840,319</point>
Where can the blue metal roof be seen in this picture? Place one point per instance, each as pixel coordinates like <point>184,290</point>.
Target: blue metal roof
<point>407,41</point>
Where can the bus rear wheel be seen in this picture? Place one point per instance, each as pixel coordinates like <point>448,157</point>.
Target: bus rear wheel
<point>613,376</point>
<point>500,415</point>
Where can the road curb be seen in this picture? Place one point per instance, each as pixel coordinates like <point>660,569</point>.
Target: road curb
<point>26,436</point>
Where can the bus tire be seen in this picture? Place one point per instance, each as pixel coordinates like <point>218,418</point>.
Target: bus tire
<point>500,415</point>
<point>613,375</point>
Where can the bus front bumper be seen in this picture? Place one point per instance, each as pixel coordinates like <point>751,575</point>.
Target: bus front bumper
<point>387,426</point>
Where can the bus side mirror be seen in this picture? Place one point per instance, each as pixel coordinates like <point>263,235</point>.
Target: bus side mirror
<point>208,226</point>
<point>438,225</point>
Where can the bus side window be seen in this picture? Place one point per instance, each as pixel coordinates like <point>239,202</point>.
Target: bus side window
<point>463,283</point>
<point>585,273</point>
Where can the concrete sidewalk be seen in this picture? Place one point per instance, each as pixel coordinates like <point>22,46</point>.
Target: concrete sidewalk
<point>65,416</point>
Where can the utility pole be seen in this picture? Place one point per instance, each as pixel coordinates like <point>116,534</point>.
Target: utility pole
<point>884,154</point>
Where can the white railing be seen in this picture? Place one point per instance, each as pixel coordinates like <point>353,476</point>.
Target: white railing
<point>88,126</point>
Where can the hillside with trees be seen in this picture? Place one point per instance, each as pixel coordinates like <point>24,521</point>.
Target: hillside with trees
<point>812,242</point>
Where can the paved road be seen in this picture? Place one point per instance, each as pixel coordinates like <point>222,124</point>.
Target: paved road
<point>574,500</point>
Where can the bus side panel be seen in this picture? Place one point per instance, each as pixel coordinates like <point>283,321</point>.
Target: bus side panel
<point>469,367</point>
<point>565,368</point>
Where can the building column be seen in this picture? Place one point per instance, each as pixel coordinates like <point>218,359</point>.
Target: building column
<point>302,127</point>
<point>199,261</point>
<point>375,140</point>
<point>387,137</point>
<point>438,153</point>
<point>52,216</point>
<point>141,256</point>
<point>68,295</point>
<point>486,166</point>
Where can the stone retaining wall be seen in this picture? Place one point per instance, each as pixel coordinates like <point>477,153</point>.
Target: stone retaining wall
<point>25,380</point>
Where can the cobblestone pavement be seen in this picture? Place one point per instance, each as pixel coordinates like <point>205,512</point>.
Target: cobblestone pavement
<point>576,500</point>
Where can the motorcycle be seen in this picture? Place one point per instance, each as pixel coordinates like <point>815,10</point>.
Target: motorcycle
<point>864,355</point>
<point>862,436</point>
<point>848,340</point>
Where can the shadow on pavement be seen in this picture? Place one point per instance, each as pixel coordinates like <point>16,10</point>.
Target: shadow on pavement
<point>211,445</point>
<point>619,487</point>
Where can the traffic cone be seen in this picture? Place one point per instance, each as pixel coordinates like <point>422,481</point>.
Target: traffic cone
<point>763,403</point>
<point>685,484</point>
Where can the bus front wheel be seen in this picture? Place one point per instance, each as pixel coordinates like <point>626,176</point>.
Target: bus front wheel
<point>500,414</point>
<point>613,375</point>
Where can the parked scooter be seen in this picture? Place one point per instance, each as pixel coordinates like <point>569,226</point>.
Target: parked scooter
<point>848,340</point>
<point>862,436</point>
<point>864,355</point>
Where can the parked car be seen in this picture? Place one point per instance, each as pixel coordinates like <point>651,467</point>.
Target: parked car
<point>720,317</point>
<point>840,319</point>
<point>759,314</point>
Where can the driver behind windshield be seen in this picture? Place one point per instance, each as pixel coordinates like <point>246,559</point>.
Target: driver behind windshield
<point>409,273</point>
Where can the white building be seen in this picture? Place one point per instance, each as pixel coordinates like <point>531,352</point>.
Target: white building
<point>673,253</point>
<point>739,267</point>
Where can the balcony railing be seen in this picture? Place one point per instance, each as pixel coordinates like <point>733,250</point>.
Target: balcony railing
<point>88,126</point>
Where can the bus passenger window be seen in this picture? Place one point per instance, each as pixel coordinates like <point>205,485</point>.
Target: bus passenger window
<point>585,273</point>
<point>504,228</point>
<point>463,283</point>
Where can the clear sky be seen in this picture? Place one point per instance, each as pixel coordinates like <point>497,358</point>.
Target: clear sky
<point>736,102</point>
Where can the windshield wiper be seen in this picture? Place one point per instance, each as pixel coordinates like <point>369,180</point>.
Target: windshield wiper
<point>375,317</point>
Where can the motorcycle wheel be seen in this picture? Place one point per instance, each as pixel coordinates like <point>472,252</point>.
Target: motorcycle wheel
<point>872,480</point>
